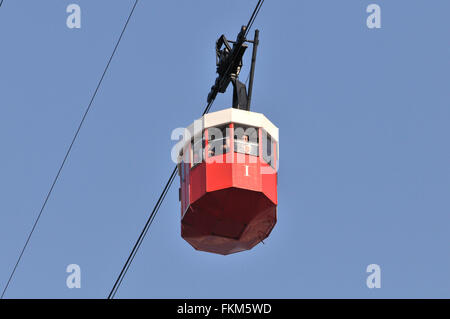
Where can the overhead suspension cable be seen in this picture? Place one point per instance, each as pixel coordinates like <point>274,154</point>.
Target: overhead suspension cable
<point>166,188</point>
<point>70,147</point>
<point>253,17</point>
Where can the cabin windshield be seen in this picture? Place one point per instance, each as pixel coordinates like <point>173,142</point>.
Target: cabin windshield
<point>269,146</point>
<point>197,148</point>
<point>218,140</point>
<point>246,140</point>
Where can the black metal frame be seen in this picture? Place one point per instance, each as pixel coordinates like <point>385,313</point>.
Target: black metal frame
<point>229,65</point>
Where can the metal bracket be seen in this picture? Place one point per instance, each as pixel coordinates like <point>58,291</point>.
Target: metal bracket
<point>229,65</point>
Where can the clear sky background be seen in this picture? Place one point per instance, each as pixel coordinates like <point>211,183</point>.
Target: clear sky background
<point>364,128</point>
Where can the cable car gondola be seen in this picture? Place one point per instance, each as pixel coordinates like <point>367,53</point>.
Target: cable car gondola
<point>228,166</point>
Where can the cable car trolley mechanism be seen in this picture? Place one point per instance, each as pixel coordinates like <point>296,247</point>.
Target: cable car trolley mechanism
<point>228,170</point>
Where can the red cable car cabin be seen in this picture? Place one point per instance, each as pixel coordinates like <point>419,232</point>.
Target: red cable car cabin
<point>228,175</point>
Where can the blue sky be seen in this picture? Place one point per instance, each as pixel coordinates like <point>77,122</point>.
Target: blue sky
<point>364,171</point>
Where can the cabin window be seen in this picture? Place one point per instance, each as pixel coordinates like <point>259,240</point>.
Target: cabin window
<point>198,147</point>
<point>218,141</point>
<point>246,140</point>
<point>268,152</point>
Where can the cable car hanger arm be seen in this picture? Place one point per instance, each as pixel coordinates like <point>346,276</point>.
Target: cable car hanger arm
<point>229,64</point>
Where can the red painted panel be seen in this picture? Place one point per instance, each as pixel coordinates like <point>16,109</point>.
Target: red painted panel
<point>246,172</point>
<point>246,175</point>
<point>219,175</point>
<point>269,183</point>
<point>197,181</point>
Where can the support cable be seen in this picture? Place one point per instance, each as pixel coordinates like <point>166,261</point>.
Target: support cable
<point>166,188</point>
<point>69,149</point>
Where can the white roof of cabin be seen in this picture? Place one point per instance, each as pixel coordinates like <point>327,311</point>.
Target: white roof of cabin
<point>232,115</point>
